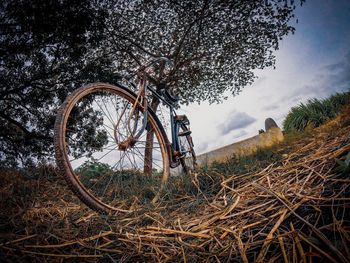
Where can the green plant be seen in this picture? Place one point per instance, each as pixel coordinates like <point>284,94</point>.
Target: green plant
<point>90,169</point>
<point>315,112</point>
<point>344,166</point>
<point>124,185</point>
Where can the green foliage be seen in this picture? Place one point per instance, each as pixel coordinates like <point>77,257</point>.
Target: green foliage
<point>315,112</point>
<point>85,131</point>
<point>93,169</point>
<point>48,49</point>
<point>215,45</point>
<point>124,185</point>
<point>344,166</point>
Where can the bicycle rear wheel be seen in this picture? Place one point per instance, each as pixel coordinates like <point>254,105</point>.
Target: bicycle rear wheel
<point>97,154</point>
<point>188,160</point>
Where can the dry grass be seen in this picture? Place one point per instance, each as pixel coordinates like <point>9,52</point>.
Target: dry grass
<point>296,211</point>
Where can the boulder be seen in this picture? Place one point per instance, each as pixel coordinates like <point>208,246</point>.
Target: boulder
<point>270,123</point>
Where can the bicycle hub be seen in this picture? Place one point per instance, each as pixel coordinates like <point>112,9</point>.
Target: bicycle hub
<point>126,144</point>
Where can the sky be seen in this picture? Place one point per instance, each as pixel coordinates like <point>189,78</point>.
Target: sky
<point>312,63</point>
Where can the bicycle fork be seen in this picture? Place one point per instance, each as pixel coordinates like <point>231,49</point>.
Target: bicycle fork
<point>134,114</point>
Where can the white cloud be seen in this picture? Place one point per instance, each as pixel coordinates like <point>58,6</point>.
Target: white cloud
<point>236,120</point>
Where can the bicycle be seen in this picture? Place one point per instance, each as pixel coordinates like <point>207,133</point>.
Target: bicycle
<point>111,147</point>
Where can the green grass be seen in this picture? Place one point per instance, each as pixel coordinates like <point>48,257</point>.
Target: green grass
<point>238,165</point>
<point>315,112</point>
<point>208,180</point>
<point>110,185</point>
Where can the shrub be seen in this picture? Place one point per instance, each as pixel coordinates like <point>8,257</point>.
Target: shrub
<point>315,112</point>
<point>91,169</point>
<point>101,179</point>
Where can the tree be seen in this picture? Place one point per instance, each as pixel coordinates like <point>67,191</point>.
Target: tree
<point>215,45</point>
<point>47,49</point>
<point>50,47</point>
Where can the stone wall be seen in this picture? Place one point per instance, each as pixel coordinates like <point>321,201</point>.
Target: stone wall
<point>272,136</point>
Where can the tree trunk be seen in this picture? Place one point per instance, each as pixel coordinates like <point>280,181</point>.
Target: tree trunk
<point>147,168</point>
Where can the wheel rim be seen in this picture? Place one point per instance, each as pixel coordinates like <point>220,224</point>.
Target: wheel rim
<point>110,175</point>
<point>186,146</point>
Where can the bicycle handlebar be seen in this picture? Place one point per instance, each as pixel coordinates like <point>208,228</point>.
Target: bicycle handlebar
<point>144,67</point>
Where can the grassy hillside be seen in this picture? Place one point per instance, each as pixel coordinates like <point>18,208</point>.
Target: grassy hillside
<point>315,112</point>
<point>290,203</point>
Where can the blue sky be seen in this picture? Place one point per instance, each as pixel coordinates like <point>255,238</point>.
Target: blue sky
<point>312,63</point>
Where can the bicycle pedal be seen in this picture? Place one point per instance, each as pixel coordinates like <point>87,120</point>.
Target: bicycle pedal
<point>185,133</point>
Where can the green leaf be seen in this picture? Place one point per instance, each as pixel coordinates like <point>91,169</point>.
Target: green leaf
<point>347,159</point>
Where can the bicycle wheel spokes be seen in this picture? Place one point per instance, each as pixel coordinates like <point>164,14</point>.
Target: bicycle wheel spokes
<point>188,160</point>
<point>104,160</point>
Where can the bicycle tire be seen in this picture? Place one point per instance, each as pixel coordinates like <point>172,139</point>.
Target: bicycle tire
<point>189,161</point>
<point>63,151</point>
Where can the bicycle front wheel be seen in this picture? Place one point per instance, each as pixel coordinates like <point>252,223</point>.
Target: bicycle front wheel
<point>98,155</point>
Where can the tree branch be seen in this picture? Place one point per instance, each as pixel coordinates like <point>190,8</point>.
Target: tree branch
<point>28,134</point>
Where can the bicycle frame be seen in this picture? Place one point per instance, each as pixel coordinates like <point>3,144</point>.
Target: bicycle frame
<point>174,149</point>
<point>174,124</point>
<point>142,87</point>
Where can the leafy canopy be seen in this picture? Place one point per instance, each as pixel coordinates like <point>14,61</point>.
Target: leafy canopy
<point>215,45</point>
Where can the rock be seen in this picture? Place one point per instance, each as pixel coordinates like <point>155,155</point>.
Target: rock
<point>270,123</point>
